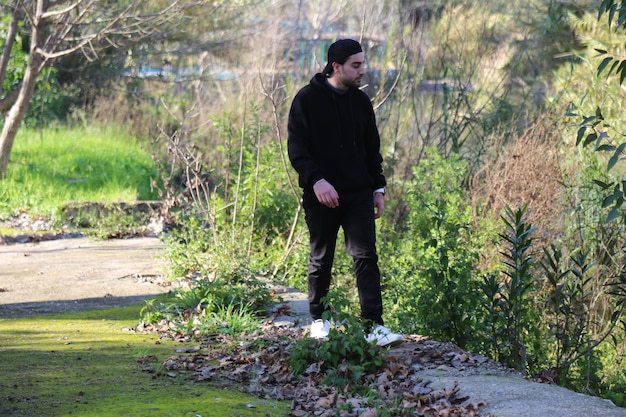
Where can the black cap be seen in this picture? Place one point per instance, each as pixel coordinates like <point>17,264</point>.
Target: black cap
<point>339,52</point>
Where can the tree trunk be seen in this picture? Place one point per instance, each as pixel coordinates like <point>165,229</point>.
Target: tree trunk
<point>18,110</point>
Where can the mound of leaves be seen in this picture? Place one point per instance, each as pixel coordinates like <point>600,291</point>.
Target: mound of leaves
<point>259,364</point>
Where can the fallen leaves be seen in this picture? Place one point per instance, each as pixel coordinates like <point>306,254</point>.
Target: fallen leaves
<point>260,365</point>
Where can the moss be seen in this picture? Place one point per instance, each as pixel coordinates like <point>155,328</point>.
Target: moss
<point>85,364</point>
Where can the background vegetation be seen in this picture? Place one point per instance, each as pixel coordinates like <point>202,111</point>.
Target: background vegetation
<point>501,148</point>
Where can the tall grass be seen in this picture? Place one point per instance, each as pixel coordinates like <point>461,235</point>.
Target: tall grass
<point>57,165</point>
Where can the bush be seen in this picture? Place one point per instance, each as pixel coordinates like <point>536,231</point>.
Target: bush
<point>435,261</point>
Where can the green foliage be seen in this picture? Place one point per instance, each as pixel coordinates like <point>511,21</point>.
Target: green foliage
<point>493,305</point>
<point>56,166</point>
<point>614,9</point>
<point>569,290</point>
<point>187,247</point>
<point>593,130</point>
<point>346,358</point>
<point>511,318</point>
<point>227,237</point>
<point>232,319</point>
<point>227,287</point>
<point>435,261</point>
<point>251,209</point>
<point>600,139</point>
<point>152,312</point>
<point>50,101</point>
<point>228,302</point>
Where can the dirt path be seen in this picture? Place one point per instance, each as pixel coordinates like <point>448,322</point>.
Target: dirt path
<point>78,274</point>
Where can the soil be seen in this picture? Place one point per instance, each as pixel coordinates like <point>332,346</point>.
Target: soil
<point>40,276</point>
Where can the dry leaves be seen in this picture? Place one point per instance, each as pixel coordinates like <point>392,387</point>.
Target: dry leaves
<point>260,365</point>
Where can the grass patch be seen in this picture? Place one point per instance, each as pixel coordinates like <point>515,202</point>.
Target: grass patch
<point>57,165</point>
<point>84,364</point>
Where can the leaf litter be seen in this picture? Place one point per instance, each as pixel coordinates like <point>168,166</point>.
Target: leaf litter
<point>258,364</point>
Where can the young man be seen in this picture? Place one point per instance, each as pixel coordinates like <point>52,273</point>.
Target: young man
<point>334,146</point>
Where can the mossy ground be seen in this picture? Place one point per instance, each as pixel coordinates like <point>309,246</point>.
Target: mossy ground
<point>85,364</point>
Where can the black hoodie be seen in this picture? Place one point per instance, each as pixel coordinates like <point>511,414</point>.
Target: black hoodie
<point>334,136</point>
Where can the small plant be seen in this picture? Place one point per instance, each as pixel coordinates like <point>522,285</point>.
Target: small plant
<point>151,313</point>
<point>568,303</point>
<point>518,283</point>
<point>228,303</point>
<point>229,319</point>
<point>507,301</point>
<point>493,301</point>
<point>345,359</point>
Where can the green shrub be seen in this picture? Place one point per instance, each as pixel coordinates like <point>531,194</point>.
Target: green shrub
<point>436,258</point>
<point>512,318</point>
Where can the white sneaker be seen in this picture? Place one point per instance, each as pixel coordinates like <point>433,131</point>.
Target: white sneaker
<point>384,337</point>
<point>320,329</point>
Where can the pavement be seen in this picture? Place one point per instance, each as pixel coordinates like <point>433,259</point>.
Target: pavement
<point>79,274</point>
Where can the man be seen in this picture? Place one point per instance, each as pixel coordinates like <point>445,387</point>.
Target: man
<point>334,146</point>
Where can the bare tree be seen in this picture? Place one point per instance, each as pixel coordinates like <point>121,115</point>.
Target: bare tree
<point>57,28</point>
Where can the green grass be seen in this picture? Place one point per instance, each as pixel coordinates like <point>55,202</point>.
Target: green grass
<point>52,167</point>
<point>84,364</point>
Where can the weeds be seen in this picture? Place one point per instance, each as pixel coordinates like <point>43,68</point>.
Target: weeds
<point>345,359</point>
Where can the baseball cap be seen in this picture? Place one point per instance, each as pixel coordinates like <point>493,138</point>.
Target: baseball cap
<point>339,52</point>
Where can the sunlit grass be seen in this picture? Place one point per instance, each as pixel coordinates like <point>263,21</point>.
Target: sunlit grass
<point>57,165</point>
<point>85,364</point>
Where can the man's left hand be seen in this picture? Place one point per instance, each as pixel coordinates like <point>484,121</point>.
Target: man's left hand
<point>379,205</point>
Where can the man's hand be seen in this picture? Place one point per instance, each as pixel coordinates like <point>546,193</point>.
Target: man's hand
<point>379,205</point>
<point>326,193</point>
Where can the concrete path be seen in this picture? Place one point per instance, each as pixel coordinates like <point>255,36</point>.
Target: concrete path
<point>78,274</point>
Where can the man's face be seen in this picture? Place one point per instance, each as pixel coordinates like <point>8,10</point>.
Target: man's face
<point>352,71</point>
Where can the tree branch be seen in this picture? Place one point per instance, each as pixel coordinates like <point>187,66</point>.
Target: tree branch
<point>54,13</point>
<point>123,24</point>
<point>29,16</point>
<point>9,99</point>
<point>8,45</point>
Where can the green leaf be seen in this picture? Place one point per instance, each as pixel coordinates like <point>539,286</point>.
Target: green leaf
<point>612,215</point>
<point>608,201</point>
<point>612,9</point>
<point>599,113</point>
<point>622,71</point>
<point>603,136</point>
<point>605,147</point>
<point>606,61</point>
<point>603,7</point>
<point>580,134</point>
<point>590,138</point>
<point>615,64</point>
<point>602,184</point>
<point>612,161</point>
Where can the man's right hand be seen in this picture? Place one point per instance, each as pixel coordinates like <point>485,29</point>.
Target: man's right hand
<point>326,193</point>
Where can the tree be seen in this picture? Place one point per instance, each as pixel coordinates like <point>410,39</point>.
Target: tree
<point>58,28</point>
